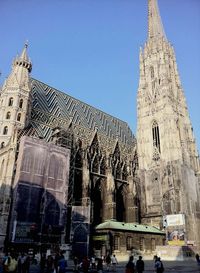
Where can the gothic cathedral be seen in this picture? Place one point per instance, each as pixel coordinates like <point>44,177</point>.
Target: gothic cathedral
<point>70,173</point>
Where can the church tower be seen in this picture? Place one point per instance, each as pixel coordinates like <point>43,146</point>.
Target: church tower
<point>15,98</point>
<point>15,108</point>
<point>167,153</point>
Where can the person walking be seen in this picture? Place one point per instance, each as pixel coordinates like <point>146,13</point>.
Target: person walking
<point>85,264</point>
<point>100,265</point>
<point>197,258</point>
<point>75,264</point>
<point>62,264</point>
<point>159,266</point>
<point>93,262</point>
<point>108,261</point>
<point>114,262</point>
<point>130,266</point>
<point>140,265</point>
<point>11,263</point>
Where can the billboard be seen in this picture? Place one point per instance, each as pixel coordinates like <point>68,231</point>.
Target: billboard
<point>175,229</point>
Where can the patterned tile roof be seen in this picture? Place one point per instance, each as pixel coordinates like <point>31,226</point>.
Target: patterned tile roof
<point>111,224</point>
<point>52,108</point>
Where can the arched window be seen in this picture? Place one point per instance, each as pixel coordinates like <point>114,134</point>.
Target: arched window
<point>2,144</point>
<point>116,242</point>
<point>5,130</point>
<point>20,103</point>
<point>10,103</point>
<point>118,171</point>
<point>156,136</point>
<point>95,165</point>
<point>124,173</point>
<point>8,115</point>
<point>103,166</point>
<point>129,243</point>
<point>19,117</point>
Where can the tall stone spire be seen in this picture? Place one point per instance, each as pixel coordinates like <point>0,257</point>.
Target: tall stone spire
<point>166,145</point>
<point>156,29</point>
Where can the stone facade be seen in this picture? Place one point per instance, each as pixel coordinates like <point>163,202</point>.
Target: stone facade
<point>167,152</point>
<point>109,174</point>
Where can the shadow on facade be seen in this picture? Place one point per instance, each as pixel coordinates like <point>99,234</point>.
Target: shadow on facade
<point>37,218</point>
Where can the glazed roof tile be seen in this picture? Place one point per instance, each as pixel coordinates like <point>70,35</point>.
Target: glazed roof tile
<point>53,106</point>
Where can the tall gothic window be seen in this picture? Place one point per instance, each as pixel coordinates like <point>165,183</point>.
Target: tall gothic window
<point>10,102</point>
<point>152,72</point>
<point>20,103</point>
<point>156,136</point>
<point>8,115</point>
<point>116,242</point>
<point>129,243</point>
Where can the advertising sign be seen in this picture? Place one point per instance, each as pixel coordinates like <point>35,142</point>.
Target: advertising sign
<point>175,220</point>
<point>175,229</point>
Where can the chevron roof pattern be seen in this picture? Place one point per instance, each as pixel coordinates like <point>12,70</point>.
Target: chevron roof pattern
<point>51,108</point>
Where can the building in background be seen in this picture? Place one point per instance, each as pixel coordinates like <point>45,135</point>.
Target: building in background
<point>67,169</point>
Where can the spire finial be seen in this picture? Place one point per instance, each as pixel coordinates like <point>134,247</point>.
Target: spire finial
<point>26,44</point>
<point>156,29</point>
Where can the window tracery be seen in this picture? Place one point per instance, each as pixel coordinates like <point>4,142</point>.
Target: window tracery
<point>156,136</point>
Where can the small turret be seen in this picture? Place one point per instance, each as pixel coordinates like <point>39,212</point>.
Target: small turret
<point>15,98</point>
<point>23,60</point>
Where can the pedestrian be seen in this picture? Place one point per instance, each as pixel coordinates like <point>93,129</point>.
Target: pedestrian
<point>108,261</point>
<point>130,266</point>
<point>159,266</point>
<point>42,263</point>
<point>27,264</point>
<point>11,264</point>
<point>140,265</point>
<point>114,262</point>
<point>22,263</point>
<point>93,263</point>
<point>62,264</point>
<point>85,264</point>
<point>49,264</point>
<point>197,259</point>
<point>56,260</point>
<point>75,263</point>
<point>100,265</point>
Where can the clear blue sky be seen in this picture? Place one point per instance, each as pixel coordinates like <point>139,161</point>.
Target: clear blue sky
<point>89,48</point>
